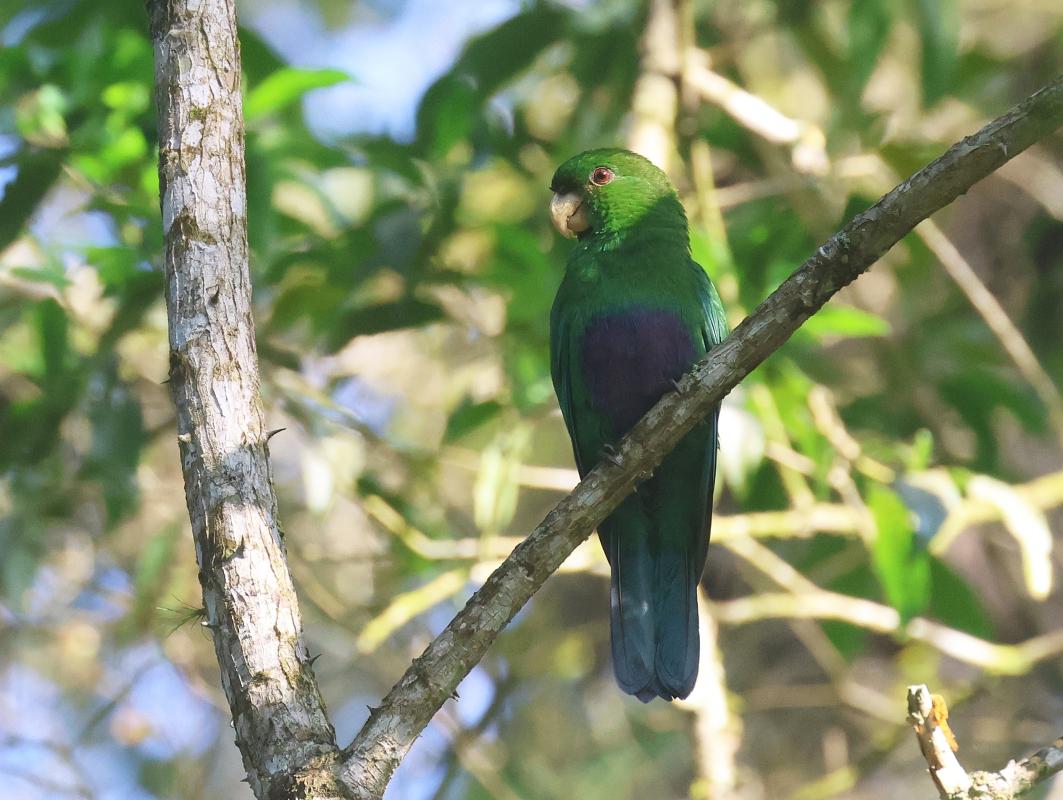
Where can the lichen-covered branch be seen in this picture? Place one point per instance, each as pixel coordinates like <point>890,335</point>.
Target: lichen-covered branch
<point>432,678</point>
<point>287,742</point>
<point>928,716</point>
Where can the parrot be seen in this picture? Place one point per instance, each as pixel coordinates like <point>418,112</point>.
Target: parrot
<point>632,313</point>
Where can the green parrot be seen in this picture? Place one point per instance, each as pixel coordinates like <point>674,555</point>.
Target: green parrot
<point>632,314</point>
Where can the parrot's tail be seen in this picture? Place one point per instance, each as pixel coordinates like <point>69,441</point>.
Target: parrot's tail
<point>654,612</point>
<point>675,602</point>
<point>625,538</point>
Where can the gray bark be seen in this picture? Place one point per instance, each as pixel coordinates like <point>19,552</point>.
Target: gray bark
<point>287,742</point>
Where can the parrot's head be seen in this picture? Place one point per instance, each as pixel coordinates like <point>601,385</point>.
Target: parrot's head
<point>610,193</point>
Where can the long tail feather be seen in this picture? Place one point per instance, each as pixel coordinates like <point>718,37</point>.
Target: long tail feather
<point>626,540</point>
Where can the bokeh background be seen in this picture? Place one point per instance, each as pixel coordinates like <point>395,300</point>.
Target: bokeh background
<point>891,478</point>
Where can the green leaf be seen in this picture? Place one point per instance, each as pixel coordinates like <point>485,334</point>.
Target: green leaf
<point>37,171</point>
<point>132,97</point>
<point>447,114</point>
<point>469,416</point>
<point>51,273</point>
<point>977,393</point>
<point>847,322</point>
<point>287,85</point>
<point>452,105</point>
<point>40,116</point>
<point>117,439</point>
<point>407,313</point>
<point>938,24</point>
<point>150,576</point>
<point>53,327</point>
<point>903,568</point>
<point>869,27</point>
<point>955,603</point>
<point>115,266</point>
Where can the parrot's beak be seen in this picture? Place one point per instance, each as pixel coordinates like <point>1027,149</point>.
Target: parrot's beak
<point>568,215</point>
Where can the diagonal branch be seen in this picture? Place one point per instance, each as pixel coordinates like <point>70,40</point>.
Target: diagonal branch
<point>391,729</point>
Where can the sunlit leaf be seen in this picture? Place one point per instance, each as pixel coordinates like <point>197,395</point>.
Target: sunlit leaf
<point>846,322</point>
<point>903,568</point>
<point>132,97</point>
<point>286,86</point>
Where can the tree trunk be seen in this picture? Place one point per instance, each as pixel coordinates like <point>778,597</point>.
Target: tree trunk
<point>287,742</point>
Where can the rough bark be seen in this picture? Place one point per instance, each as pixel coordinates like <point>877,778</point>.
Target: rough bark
<point>287,742</point>
<point>391,729</point>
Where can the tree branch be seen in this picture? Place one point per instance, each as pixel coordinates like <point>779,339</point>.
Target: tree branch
<point>928,716</point>
<point>287,742</point>
<point>391,729</point>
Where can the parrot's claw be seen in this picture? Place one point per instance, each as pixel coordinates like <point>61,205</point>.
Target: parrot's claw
<point>611,455</point>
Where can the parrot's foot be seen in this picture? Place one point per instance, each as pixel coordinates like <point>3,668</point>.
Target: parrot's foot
<point>611,455</point>
<point>677,385</point>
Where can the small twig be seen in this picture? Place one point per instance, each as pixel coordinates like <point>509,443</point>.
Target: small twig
<point>996,318</point>
<point>1002,659</point>
<point>929,715</point>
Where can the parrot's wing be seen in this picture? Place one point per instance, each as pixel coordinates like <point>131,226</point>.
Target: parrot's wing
<point>715,329</point>
<point>589,430</point>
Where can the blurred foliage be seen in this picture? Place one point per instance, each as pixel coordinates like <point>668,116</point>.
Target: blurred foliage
<point>402,291</point>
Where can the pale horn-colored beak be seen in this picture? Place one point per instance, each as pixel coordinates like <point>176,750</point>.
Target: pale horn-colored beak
<point>568,215</point>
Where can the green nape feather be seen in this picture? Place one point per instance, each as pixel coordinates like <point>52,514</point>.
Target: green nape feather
<point>633,312</point>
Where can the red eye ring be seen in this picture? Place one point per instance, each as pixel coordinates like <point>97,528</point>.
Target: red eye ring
<point>601,176</point>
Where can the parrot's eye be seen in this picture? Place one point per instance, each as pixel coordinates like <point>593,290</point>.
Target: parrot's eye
<point>601,176</point>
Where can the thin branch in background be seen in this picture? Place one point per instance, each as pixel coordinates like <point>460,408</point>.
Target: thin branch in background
<point>407,605</point>
<point>756,115</point>
<point>474,760</point>
<point>1010,337</point>
<point>80,786</point>
<point>1028,525</point>
<point>928,716</point>
<point>1002,659</point>
<point>655,99</point>
<point>717,732</point>
<point>101,713</point>
<point>794,480</point>
<point>1042,493</point>
<point>829,422</point>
